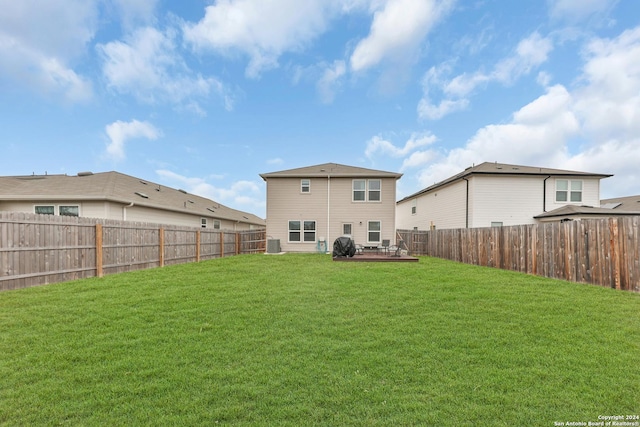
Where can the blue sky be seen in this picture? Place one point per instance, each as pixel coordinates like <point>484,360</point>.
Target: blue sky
<point>206,95</point>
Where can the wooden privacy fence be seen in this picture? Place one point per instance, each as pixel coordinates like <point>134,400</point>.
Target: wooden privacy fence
<point>42,249</point>
<point>602,252</point>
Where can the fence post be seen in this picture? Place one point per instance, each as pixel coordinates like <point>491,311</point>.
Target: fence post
<point>161,243</point>
<point>221,244</point>
<point>198,246</point>
<point>615,253</point>
<point>237,243</point>
<point>99,271</point>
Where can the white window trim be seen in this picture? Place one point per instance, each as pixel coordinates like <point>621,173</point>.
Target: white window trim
<point>302,231</point>
<point>203,222</point>
<point>44,206</point>
<point>353,190</point>
<point>569,191</point>
<point>374,231</point>
<point>56,209</point>
<point>302,186</point>
<point>379,190</point>
<point>367,190</point>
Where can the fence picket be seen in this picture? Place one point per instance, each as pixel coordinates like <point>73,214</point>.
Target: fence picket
<point>602,252</point>
<point>41,249</point>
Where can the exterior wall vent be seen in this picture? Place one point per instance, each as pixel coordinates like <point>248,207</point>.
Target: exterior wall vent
<point>144,196</point>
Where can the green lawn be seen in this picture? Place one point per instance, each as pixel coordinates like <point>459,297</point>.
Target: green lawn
<point>301,340</point>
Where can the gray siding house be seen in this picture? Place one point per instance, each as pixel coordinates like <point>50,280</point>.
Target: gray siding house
<point>113,195</point>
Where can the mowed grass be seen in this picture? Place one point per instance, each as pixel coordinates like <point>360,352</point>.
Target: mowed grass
<point>298,340</point>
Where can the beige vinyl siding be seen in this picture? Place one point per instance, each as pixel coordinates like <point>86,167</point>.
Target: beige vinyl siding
<point>285,202</point>
<point>345,210</point>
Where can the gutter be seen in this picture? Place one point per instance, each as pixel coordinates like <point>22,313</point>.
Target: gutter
<point>544,194</point>
<point>466,214</point>
<point>124,210</point>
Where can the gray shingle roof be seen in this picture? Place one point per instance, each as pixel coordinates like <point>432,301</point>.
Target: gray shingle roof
<point>330,169</point>
<point>119,188</point>
<point>494,168</point>
<point>576,210</point>
<point>629,203</point>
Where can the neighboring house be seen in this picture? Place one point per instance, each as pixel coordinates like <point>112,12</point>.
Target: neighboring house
<point>495,194</point>
<point>309,207</point>
<point>113,195</point>
<point>621,206</point>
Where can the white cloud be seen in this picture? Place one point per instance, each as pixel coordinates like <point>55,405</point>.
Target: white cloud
<point>262,30</point>
<point>397,30</point>
<point>330,81</point>
<point>148,66</point>
<point>40,40</point>
<point>578,10</point>
<point>120,133</point>
<point>427,110</point>
<point>243,195</point>
<point>530,53</point>
<point>133,12</point>
<point>595,127</point>
<point>380,146</point>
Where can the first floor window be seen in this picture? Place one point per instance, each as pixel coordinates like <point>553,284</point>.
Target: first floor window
<point>294,231</point>
<point>373,231</point>
<point>496,223</point>
<point>69,210</point>
<point>302,231</point>
<point>45,210</point>
<point>347,229</point>
<point>568,190</point>
<point>216,224</point>
<point>203,222</point>
<point>309,231</point>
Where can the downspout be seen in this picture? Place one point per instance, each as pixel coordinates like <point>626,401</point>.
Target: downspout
<point>544,194</point>
<point>466,225</point>
<point>326,239</point>
<point>124,211</point>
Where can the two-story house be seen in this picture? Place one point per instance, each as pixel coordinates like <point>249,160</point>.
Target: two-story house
<point>309,207</point>
<point>496,194</point>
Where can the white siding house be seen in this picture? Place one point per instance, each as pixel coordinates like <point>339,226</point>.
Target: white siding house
<point>495,194</point>
<point>112,195</point>
<point>309,207</point>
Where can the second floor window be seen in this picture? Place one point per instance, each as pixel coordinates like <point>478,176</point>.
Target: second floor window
<point>568,190</point>
<point>305,185</point>
<point>367,190</point>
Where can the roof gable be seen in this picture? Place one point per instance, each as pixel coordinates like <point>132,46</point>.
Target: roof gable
<point>330,170</point>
